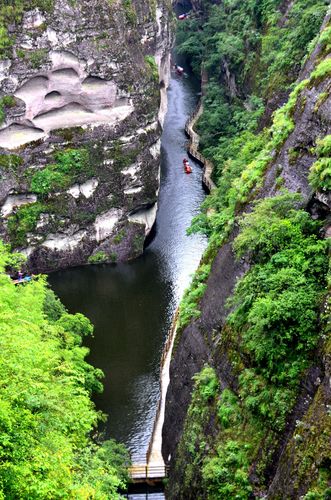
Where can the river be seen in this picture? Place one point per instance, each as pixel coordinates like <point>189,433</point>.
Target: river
<point>131,305</point>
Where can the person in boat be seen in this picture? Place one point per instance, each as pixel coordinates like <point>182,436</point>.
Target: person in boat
<point>187,168</point>
<point>179,69</point>
<point>21,280</point>
<point>20,275</point>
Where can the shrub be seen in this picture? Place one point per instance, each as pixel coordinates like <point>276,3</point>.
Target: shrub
<point>98,258</point>
<point>320,171</point>
<point>37,57</point>
<point>226,474</point>
<point>23,221</point>
<point>206,383</point>
<point>188,307</point>
<point>276,304</point>
<point>49,180</point>
<point>7,101</point>
<point>325,39</point>
<point>119,236</point>
<point>53,307</point>
<point>322,71</point>
<point>70,165</point>
<point>151,63</point>
<point>283,123</point>
<point>47,416</point>
<point>10,162</point>
<point>228,411</point>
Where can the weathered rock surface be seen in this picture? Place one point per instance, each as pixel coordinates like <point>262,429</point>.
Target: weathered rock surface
<point>83,79</point>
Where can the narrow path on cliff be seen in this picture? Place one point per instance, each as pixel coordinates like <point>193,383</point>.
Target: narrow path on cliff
<point>132,304</point>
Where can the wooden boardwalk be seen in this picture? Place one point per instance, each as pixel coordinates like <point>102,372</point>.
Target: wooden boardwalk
<point>148,473</point>
<point>193,148</point>
<point>151,468</point>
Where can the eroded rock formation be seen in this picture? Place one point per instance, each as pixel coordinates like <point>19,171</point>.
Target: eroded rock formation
<point>79,145</point>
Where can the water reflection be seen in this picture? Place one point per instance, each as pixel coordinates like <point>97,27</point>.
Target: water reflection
<point>131,305</point>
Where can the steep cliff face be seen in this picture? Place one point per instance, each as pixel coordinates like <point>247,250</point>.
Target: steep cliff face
<point>221,440</point>
<point>79,139</point>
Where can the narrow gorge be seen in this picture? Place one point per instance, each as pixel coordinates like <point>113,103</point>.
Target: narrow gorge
<point>97,100</point>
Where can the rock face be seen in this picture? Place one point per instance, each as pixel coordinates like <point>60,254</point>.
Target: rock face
<point>198,343</point>
<point>79,145</point>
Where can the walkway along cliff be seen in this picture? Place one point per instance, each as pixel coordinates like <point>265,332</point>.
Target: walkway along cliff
<point>193,148</point>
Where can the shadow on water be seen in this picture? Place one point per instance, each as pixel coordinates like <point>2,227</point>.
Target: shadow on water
<point>132,304</point>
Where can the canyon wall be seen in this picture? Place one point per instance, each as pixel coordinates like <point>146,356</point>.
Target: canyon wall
<point>288,462</point>
<point>80,133</point>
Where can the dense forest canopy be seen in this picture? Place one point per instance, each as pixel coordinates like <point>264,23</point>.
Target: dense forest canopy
<point>252,53</point>
<point>46,414</point>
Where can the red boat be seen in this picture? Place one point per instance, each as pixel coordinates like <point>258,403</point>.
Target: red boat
<point>187,167</point>
<point>183,16</point>
<point>179,70</point>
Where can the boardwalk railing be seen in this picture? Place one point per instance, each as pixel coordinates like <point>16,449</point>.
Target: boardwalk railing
<point>193,148</point>
<point>145,472</point>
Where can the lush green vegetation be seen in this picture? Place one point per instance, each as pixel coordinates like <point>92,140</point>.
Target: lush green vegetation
<point>37,57</point>
<point>320,172</point>
<point>151,63</point>
<point>5,102</point>
<point>249,156</point>
<point>216,463</point>
<point>242,174</point>
<point>277,303</point>
<point>250,51</point>
<point>11,11</point>
<point>23,221</point>
<point>10,162</point>
<point>270,338</point>
<point>46,413</point>
<point>240,164</point>
<point>188,306</point>
<point>70,165</point>
<point>322,71</point>
<point>98,258</point>
<point>252,54</point>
